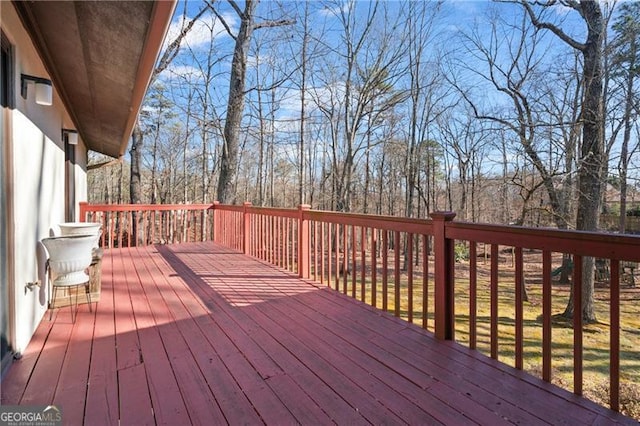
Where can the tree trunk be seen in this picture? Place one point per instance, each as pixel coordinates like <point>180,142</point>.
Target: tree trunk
<point>135,185</point>
<point>235,105</point>
<point>367,175</point>
<point>592,153</point>
<point>628,123</point>
<point>154,163</point>
<point>592,150</point>
<point>303,91</point>
<point>261,144</point>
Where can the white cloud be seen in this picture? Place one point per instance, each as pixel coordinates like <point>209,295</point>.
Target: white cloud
<point>253,61</point>
<point>287,124</point>
<point>328,94</point>
<point>335,10</point>
<point>561,9</point>
<point>291,102</point>
<point>203,30</point>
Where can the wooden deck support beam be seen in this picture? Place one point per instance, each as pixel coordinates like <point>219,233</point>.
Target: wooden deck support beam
<point>246,227</point>
<point>303,241</point>
<point>216,221</point>
<point>444,264</point>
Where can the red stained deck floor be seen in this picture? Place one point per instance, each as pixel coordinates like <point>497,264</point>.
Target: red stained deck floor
<point>199,334</point>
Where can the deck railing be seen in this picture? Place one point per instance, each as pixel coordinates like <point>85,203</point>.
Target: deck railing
<point>125,225</point>
<point>435,272</point>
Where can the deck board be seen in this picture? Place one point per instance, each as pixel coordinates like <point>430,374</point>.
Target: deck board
<point>231,377</point>
<point>157,336</point>
<point>101,404</point>
<point>46,373</point>
<point>12,390</point>
<point>72,386</point>
<point>179,386</point>
<point>200,334</point>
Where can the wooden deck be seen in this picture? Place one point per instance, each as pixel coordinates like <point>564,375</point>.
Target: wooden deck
<point>199,334</point>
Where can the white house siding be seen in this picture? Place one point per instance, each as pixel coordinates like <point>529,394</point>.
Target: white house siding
<point>37,180</point>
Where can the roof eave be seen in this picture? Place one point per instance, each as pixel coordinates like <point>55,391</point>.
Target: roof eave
<point>160,21</point>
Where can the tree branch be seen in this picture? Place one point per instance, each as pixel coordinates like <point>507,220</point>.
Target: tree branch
<point>554,29</point>
<point>174,47</point>
<point>224,23</point>
<point>235,7</point>
<point>271,24</point>
<point>273,85</point>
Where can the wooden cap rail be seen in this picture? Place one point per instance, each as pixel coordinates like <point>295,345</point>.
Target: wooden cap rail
<point>388,262</point>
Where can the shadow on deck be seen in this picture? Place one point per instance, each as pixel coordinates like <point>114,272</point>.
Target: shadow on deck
<point>199,334</point>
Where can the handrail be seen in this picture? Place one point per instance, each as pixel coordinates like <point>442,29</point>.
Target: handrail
<point>402,265</point>
<point>273,211</point>
<point>85,207</point>
<point>125,225</point>
<point>582,243</point>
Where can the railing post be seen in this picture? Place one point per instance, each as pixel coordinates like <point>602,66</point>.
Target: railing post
<point>83,211</point>
<point>303,241</point>
<point>246,227</point>
<point>444,264</point>
<point>215,220</point>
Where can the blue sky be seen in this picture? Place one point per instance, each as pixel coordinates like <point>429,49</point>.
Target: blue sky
<point>456,17</point>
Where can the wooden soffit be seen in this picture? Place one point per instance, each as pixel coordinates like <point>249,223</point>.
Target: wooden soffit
<point>100,55</point>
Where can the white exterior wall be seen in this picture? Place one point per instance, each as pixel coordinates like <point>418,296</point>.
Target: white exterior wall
<point>37,170</point>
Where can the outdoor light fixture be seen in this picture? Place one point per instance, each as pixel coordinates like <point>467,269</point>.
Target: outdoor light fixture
<point>72,136</point>
<point>44,90</point>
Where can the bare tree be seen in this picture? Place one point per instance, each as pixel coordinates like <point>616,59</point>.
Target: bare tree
<point>626,62</point>
<point>303,66</point>
<point>371,57</point>
<point>592,117</point>
<point>264,109</point>
<point>426,92</point>
<point>516,78</point>
<point>137,142</point>
<point>137,146</point>
<point>463,139</point>
<point>235,104</point>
